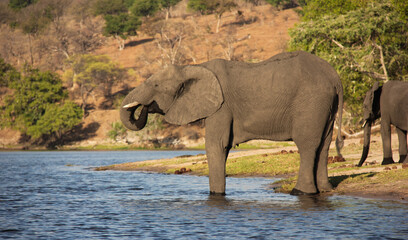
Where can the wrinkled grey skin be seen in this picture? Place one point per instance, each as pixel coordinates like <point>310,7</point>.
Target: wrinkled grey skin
<point>390,102</point>
<point>291,96</point>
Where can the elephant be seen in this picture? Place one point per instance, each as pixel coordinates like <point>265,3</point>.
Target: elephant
<point>292,96</point>
<point>390,102</point>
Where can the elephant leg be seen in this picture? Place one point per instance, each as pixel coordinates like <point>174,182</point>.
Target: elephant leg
<point>217,146</point>
<point>322,177</point>
<point>402,138</point>
<point>311,135</point>
<point>386,140</point>
<point>306,184</point>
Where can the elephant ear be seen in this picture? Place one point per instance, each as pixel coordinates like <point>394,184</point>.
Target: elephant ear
<point>199,95</point>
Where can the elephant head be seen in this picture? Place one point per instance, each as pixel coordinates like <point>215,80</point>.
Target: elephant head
<point>183,94</point>
<point>371,112</point>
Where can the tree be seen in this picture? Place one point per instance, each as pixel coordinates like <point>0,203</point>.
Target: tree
<point>145,8</point>
<point>56,120</point>
<point>314,9</point>
<point>19,4</point>
<point>119,22</point>
<point>36,106</point>
<point>93,73</point>
<point>282,4</point>
<point>217,7</point>
<point>109,7</point>
<point>364,45</point>
<point>170,40</point>
<point>7,73</point>
<point>34,19</point>
<point>167,5</point>
<point>121,26</point>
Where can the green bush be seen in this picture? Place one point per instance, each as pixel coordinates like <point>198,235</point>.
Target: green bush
<point>36,107</point>
<point>357,44</point>
<point>118,130</point>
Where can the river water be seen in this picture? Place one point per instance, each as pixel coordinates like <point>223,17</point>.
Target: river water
<point>57,195</point>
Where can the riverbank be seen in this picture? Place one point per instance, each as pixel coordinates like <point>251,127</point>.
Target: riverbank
<point>282,161</point>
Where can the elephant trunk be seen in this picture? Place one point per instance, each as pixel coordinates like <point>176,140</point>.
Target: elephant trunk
<point>366,147</point>
<point>133,114</point>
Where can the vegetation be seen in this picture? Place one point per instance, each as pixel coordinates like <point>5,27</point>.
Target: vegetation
<point>118,131</point>
<point>37,106</point>
<point>19,4</point>
<point>93,73</point>
<point>365,41</point>
<point>119,21</point>
<point>217,7</point>
<point>8,73</point>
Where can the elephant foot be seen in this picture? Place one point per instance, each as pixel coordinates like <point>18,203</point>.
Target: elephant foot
<point>387,161</point>
<point>325,187</point>
<point>403,159</point>
<point>217,194</point>
<point>297,192</point>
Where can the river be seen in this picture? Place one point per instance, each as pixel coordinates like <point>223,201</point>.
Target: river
<point>57,195</point>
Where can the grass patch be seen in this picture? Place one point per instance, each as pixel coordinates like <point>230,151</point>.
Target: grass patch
<point>267,165</point>
<point>378,178</point>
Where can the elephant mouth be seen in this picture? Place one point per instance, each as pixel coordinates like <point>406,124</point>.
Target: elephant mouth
<point>137,112</point>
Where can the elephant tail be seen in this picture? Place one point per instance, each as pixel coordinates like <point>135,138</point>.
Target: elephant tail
<point>339,139</point>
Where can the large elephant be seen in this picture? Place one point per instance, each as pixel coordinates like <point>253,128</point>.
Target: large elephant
<point>291,96</point>
<point>390,102</point>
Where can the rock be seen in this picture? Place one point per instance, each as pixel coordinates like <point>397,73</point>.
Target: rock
<point>182,170</point>
<point>335,159</point>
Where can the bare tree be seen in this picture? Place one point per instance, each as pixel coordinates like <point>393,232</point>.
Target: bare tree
<point>169,39</point>
<point>228,41</point>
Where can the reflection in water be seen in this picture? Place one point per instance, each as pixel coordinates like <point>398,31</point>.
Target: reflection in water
<point>315,202</point>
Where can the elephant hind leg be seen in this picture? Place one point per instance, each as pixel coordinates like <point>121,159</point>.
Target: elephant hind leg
<point>306,182</point>
<point>308,144</point>
<point>402,138</point>
<point>312,134</point>
<point>322,178</point>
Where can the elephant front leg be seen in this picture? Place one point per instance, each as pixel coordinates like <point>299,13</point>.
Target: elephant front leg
<point>402,138</point>
<point>216,165</point>
<point>386,140</point>
<point>217,146</point>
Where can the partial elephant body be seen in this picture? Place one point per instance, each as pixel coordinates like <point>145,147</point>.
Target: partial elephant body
<point>292,96</point>
<point>390,102</point>
<point>272,99</point>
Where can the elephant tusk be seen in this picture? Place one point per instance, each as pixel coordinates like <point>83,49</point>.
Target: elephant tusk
<point>365,123</point>
<point>133,104</point>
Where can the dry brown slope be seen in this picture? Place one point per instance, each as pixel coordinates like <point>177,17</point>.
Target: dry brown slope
<point>268,35</point>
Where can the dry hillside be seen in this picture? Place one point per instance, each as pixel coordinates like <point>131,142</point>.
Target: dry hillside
<point>246,34</point>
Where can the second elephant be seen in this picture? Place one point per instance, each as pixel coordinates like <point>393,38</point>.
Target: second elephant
<point>390,102</point>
